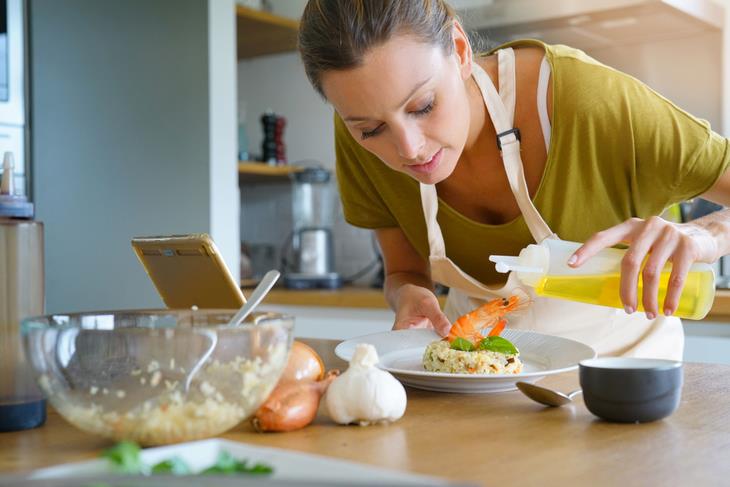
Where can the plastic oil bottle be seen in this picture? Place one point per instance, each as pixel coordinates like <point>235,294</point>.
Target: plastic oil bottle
<point>544,267</point>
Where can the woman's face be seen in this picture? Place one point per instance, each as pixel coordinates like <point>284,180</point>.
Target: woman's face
<point>407,104</point>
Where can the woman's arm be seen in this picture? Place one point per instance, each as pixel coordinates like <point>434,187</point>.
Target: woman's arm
<point>704,239</point>
<point>408,285</point>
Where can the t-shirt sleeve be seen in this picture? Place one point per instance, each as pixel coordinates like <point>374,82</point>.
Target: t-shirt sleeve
<point>362,204</point>
<point>677,156</point>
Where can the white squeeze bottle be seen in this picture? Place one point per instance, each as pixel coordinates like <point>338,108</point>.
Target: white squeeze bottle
<point>544,267</point>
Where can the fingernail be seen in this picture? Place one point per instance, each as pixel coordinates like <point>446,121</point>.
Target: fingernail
<point>628,309</point>
<point>668,312</point>
<point>573,259</point>
<point>650,315</point>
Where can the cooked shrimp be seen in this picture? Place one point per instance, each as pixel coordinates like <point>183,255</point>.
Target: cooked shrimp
<point>490,314</point>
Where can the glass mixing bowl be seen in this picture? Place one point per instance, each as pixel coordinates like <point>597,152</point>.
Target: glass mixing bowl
<point>157,376</point>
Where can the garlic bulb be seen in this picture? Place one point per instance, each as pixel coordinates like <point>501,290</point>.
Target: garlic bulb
<point>365,394</point>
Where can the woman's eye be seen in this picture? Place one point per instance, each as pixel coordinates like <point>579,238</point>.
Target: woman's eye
<point>424,110</point>
<point>365,134</point>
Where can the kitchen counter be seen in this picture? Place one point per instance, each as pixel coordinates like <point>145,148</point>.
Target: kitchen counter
<point>361,297</point>
<point>492,439</point>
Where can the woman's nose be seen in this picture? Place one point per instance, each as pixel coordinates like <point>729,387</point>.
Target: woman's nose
<point>409,141</point>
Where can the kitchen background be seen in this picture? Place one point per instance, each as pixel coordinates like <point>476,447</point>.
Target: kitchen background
<point>134,108</point>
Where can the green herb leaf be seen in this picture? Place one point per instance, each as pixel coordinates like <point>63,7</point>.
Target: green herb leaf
<point>226,464</point>
<point>497,344</point>
<point>125,458</point>
<point>174,465</point>
<point>462,344</point>
<point>256,469</point>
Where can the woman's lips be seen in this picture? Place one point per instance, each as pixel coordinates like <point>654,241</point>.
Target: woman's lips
<point>427,167</point>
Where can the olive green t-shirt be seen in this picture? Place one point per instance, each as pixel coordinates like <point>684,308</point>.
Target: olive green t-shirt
<point>617,150</point>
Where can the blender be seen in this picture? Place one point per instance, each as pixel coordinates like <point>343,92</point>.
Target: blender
<point>312,260</point>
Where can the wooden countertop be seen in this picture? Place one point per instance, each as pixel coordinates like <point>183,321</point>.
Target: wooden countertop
<point>490,439</point>
<point>360,297</point>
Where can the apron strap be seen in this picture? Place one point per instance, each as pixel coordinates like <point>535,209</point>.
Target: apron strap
<point>430,204</point>
<point>508,139</point>
<point>507,89</point>
<point>542,88</point>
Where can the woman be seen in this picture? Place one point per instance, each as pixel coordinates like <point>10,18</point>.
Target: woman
<point>584,153</point>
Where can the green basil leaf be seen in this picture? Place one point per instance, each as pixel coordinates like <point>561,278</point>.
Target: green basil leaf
<point>174,465</point>
<point>257,469</point>
<point>125,458</point>
<point>497,344</point>
<point>227,464</point>
<point>462,344</point>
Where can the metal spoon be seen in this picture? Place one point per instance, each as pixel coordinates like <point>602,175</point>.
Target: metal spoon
<point>255,298</point>
<point>258,294</point>
<point>546,396</point>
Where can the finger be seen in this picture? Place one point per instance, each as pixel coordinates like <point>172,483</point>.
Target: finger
<point>601,240</point>
<point>412,322</point>
<point>651,275</point>
<point>441,323</point>
<point>681,264</point>
<point>632,262</point>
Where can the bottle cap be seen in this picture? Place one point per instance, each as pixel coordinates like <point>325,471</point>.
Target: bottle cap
<point>12,205</point>
<point>507,263</point>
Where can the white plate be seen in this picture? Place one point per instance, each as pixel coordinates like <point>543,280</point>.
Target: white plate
<point>401,354</point>
<point>289,466</point>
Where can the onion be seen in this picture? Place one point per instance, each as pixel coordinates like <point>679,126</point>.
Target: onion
<point>303,365</point>
<point>292,405</point>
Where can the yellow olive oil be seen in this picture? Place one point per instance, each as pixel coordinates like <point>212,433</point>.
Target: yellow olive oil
<point>603,289</point>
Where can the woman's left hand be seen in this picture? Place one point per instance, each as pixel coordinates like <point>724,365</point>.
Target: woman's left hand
<point>658,241</point>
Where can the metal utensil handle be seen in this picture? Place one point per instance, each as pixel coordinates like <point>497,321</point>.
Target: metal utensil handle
<point>256,296</point>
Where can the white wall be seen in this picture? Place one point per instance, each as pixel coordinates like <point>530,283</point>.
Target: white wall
<point>687,71</point>
<point>121,140</point>
<point>223,209</point>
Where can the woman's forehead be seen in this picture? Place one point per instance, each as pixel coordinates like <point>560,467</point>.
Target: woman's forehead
<point>387,77</point>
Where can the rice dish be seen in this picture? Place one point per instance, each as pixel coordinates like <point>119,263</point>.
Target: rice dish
<point>440,357</point>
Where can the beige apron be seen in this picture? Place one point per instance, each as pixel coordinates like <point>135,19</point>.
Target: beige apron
<point>609,331</point>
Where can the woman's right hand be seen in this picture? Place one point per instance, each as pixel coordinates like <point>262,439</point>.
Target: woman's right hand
<point>418,307</point>
<point>408,284</point>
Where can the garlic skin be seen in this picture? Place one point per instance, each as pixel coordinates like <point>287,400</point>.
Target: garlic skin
<point>365,394</point>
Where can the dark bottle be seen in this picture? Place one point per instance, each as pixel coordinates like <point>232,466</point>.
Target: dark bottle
<point>272,146</point>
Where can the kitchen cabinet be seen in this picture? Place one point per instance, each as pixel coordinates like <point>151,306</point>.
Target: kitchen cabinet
<point>260,33</point>
<point>595,24</point>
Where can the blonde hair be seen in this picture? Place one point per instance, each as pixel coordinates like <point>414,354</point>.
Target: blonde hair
<point>336,34</point>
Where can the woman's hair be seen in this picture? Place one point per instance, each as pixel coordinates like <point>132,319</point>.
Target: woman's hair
<point>336,34</point>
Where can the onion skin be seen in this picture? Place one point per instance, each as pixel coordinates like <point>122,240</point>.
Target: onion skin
<point>292,404</point>
<point>303,364</point>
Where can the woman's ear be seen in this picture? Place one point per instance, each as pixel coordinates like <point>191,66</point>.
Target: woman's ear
<point>462,50</point>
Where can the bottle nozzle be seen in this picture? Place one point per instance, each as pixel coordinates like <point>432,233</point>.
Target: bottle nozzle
<point>7,186</point>
<point>506,263</point>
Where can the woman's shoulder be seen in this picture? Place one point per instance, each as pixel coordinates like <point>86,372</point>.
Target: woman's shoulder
<point>554,52</point>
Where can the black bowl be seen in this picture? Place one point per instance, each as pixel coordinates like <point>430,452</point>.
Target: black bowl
<point>630,390</point>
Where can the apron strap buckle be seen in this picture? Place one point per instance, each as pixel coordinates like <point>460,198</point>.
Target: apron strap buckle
<point>514,131</point>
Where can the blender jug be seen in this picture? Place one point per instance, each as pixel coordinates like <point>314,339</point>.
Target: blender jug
<point>21,295</point>
<point>312,247</point>
<point>545,267</point>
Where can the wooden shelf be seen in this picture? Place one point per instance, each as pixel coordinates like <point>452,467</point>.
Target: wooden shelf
<point>259,172</point>
<point>260,33</point>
